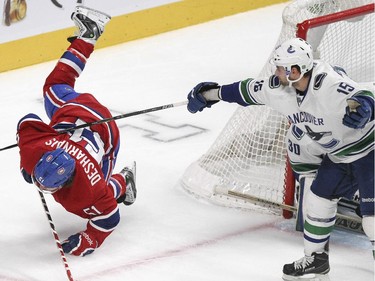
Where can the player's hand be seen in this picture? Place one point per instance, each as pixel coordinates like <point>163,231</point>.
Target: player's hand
<point>358,113</point>
<point>196,101</point>
<point>80,244</point>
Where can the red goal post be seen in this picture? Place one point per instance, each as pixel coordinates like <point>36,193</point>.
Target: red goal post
<point>246,166</point>
<point>304,27</point>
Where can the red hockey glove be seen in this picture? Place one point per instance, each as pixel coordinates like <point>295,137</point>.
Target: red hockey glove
<point>80,244</point>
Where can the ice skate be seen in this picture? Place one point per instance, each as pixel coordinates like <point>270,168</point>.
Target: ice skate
<point>90,24</point>
<point>130,194</point>
<point>309,268</point>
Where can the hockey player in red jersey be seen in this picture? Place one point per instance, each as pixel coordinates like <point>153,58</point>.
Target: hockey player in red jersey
<point>76,167</point>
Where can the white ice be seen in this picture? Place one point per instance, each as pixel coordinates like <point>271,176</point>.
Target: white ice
<point>167,234</point>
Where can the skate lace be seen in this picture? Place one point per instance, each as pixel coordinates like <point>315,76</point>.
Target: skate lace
<point>303,262</point>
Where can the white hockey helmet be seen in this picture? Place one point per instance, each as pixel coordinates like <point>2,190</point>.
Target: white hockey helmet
<point>293,52</point>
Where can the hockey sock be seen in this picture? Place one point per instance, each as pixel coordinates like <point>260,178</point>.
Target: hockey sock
<point>319,222</point>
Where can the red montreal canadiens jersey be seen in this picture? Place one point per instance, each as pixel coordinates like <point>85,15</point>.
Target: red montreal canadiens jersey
<point>89,194</point>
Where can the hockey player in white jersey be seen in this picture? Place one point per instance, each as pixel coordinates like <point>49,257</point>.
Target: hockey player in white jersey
<point>331,139</point>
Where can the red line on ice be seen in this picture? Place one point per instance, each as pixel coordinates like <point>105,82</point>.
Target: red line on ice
<point>174,252</point>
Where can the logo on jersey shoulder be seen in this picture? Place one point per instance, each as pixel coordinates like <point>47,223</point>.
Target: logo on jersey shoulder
<point>291,50</point>
<point>318,80</point>
<point>274,82</point>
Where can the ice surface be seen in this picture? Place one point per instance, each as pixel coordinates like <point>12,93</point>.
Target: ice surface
<point>167,234</point>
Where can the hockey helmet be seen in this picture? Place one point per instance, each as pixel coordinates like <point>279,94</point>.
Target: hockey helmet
<point>53,170</point>
<point>295,51</point>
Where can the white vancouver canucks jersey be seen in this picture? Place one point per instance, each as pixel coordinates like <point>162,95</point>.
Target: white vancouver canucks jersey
<point>317,113</point>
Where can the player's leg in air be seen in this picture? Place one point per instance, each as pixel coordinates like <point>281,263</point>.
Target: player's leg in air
<point>59,85</point>
<point>59,89</point>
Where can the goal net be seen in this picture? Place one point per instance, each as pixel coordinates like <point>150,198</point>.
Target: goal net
<point>249,158</point>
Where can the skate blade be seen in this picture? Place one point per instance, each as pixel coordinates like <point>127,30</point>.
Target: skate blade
<point>93,14</point>
<point>134,169</point>
<point>307,277</point>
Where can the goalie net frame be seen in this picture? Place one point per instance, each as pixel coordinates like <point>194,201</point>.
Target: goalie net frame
<point>211,186</point>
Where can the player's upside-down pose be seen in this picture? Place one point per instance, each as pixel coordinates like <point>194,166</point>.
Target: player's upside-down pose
<point>77,167</point>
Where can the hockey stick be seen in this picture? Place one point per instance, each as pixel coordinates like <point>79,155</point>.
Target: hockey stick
<point>342,221</point>
<point>58,243</point>
<point>57,4</point>
<point>105,120</point>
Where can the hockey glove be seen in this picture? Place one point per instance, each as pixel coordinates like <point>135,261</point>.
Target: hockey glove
<point>196,101</point>
<point>358,118</point>
<point>80,244</point>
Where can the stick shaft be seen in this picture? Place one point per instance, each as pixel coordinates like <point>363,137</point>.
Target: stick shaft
<point>254,199</point>
<point>126,115</point>
<point>9,147</point>
<point>55,235</point>
<point>105,120</point>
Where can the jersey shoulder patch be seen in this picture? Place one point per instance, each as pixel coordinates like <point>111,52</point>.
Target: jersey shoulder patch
<point>274,82</point>
<point>318,80</point>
